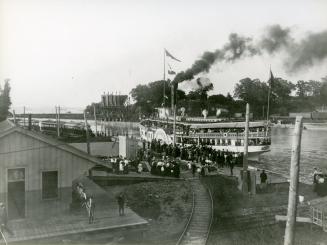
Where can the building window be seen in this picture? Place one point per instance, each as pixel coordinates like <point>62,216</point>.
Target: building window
<point>49,184</point>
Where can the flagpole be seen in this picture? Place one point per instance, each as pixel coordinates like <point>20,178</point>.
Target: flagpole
<point>268,104</point>
<point>164,79</point>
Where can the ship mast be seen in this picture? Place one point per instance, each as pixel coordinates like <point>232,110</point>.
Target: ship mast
<point>270,81</point>
<point>164,79</point>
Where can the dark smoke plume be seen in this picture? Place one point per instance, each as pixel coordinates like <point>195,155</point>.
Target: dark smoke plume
<point>275,38</point>
<point>299,54</point>
<point>236,48</point>
<point>311,50</point>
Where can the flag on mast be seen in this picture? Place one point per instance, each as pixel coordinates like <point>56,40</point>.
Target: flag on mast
<point>171,56</point>
<point>170,71</point>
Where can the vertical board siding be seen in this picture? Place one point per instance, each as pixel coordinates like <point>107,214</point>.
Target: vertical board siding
<point>42,157</point>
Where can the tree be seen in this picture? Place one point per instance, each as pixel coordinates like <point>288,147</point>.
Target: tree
<point>308,88</point>
<point>149,96</point>
<point>253,92</point>
<point>5,101</point>
<point>301,88</point>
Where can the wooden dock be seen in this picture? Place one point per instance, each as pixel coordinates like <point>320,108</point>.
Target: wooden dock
<point>62,222</point>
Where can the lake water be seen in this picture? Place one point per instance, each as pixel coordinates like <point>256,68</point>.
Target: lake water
<point>313,151</point>
<point>313,147</point>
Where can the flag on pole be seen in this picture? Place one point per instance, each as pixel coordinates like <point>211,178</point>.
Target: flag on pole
<point>171,56</point>
<point>170,71</point>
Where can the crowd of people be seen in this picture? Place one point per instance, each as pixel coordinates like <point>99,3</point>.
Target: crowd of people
<point>120,165</point>
<point>165,168</point>
<point>203,155</point>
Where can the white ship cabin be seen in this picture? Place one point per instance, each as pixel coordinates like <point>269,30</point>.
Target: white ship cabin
<point>226,134</point>
<point>213,134</point>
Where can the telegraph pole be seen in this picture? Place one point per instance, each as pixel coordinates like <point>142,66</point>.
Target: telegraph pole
<point>174,126</point>
<point>24,116</point>
<point>164,78</point>
<point>95,120</point>
<point>58,128</point>
<point>87,135</point>
<point>245,155</point>
<point>14,114</point>
<point>56,111</point>
<point>294,183</point>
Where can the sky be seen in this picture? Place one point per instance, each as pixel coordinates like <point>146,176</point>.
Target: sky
<point>69,52</point>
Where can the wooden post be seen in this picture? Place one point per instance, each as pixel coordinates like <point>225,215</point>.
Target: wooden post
<point>245,155</point>
<point>24,116</point>
<point>174,125</point>
<point>14,114</point>
<point>87,135</point>
<point>164,80</point>
<point>58,118</point>
<point>95,120</point>
<point>56,111</point>
<point>294,182</point>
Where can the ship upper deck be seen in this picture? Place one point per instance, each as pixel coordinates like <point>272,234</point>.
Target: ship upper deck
<point>205,124</point>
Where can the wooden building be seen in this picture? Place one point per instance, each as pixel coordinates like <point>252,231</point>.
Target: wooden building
<point>35,168</point>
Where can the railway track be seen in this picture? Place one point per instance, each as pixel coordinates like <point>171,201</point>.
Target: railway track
<point>197,229</point>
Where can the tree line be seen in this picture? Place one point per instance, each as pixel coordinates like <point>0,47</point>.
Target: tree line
<point>5,100</point>
<point>285,97</point>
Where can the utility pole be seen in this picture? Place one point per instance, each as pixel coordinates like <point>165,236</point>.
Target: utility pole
<point>95,120</point>
<point>245,155</point>
<point>268,104</point>
<point>14,114</point>
<point>58,128</point>
<point>173,107</point>
<point>294,183</point>
<point>24,116</point>
<point>56,111</point>
<point>87,135</point>
<point>164,80</point>
<point>174,125</point>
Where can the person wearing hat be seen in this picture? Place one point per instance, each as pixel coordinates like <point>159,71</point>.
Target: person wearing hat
<point>4,220</point>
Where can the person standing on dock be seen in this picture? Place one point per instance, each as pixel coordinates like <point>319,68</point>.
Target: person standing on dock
<point>263,179</point>
<point>90,207</point>
<point>193,169</point>
<point>121,203</point>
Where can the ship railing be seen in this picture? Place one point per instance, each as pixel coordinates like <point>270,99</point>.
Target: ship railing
<point>230,135</point>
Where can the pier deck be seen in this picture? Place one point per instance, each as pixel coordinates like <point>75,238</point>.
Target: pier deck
<point>53,218</point>
<point>273,178</point>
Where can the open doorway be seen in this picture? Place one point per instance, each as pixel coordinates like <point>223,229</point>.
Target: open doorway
<point>16,193</point>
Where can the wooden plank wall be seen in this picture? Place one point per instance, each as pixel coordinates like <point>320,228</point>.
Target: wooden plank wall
<point>19,150</point>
